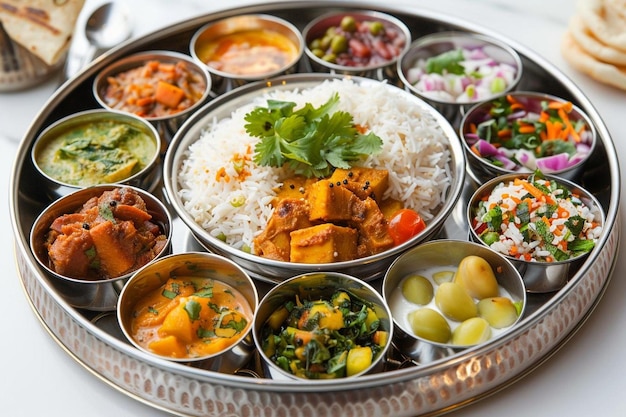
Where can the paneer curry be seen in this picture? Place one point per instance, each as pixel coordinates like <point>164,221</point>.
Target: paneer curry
<point>334,219</point>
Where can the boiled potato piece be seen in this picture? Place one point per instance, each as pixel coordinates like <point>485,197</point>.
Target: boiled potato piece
<point>430,324</point>
<point>471,332</point>
<point>455,302</point>
<point>500,312</point>
<point>417,289</point>
<point>476,275</point>
<point>359,359</point>
<point>443,276</point>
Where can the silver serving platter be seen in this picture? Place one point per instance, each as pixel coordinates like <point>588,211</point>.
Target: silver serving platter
<point>404,389</point>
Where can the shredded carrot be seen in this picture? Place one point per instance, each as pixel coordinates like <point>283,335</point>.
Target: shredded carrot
<point>534,191</point>
<point>562,213</point>
<point>526,129</point>
<point>557,105</point>
<point>504,133</point>
<point>222,175</point>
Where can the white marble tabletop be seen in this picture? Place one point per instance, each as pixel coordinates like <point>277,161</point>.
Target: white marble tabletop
<point>585,377</point>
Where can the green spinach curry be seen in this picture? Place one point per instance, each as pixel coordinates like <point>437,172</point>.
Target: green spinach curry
<point>97,152</point>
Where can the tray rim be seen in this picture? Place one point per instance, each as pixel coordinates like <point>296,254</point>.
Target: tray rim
<point>27,266</point>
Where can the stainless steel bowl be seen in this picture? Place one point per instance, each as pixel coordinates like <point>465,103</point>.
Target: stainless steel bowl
<point>147,177</point>
<point>438,43</point>
<point>196,265</point>
<point>539,277</point>
<point>223,80</point>
<point>435,255</point>
<point>166,125</point>
<point>313,287</point>
<point>482,169</point>
<point>381,71</point>
<point>96,295</point>
<point>270,270</point>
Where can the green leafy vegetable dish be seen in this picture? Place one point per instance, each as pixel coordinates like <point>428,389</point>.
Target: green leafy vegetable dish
<point>335,337</point>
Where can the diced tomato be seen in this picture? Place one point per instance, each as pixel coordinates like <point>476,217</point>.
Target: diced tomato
<point>405,224</point>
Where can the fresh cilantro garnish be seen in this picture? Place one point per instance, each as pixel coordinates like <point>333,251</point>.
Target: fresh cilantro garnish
<point>312,141</point>
<point>192,307</point>
<point>238,325</point>
<point>447,61</point>
<point>205,333</point>
<point>204,292</point>
<point>169,294</point>
<point>106,212</point>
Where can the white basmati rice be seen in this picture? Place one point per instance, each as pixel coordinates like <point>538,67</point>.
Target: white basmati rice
<point>415,152</point>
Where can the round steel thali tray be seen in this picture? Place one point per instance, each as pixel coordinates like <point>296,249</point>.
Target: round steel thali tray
<point>405,388</point>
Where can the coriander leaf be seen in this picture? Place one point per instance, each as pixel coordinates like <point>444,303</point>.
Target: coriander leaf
<point>192,308</point>
<point>204,292</point>
<point>555,147</point>
<point>106,212</point>
<point>312,141</point>
<point>447,61</point>
<point>169,294</point>
<point>311,113</point>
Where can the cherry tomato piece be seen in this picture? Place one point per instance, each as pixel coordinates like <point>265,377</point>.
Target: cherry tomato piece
<point>405,224</point>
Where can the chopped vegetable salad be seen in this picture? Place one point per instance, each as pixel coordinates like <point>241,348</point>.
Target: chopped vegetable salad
<point>522,133</point>
<point>537,220</point>
<point>461,76</point>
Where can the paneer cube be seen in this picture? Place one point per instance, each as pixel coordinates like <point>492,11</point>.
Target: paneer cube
<point>389,207</point>
<point>372,228</point>
<point>323,243</point>
<point>364,182</point>
<point>295,187</point>
<point>290,214</point>
<point>330,203</point>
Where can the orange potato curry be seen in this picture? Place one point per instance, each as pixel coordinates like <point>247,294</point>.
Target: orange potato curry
<point>110,236</point>
<point>251,52</point>
<point>190,317</point>
<point>339,218</point>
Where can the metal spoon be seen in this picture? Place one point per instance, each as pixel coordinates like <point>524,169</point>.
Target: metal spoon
<point>107,26</point>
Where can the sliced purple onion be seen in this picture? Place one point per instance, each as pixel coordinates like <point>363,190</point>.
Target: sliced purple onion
<point>553,163</point>
<point>506,162</point>
<point>485,148</point>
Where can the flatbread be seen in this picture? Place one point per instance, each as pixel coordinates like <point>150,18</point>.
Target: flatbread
<point>578,58</point>
<point>606,25</point>
<point>592,45</point>
<point>617,6</point>
<point>43,27</point>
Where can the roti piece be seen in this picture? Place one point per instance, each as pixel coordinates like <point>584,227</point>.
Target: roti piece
<point>606,25</point>
<point>617,6</point>
<point>592,45</point>
<point>43,27</point>
<point>578,58</point>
